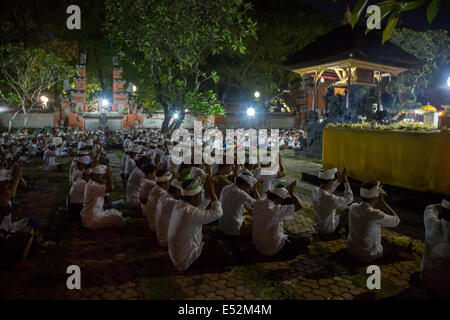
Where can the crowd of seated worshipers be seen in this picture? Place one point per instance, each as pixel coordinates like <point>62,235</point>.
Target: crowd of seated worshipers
<point>245,202</point>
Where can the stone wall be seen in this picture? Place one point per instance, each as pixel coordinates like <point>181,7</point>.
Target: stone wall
<point>35,120</point>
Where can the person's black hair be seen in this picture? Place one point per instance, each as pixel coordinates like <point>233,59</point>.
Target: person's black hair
<point>324,181</point>
<point>241,182</point>
<point>161,172</point>
<point>368,185</point>
<point>185,185</point>
<point>142,161</point>
<point>148,168</point>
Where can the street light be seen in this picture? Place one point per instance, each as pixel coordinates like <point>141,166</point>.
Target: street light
<point>44,101</point>
<point>250,112</point>
<point>134,88</point>
<point>105,102</point>
<point>257,94</point>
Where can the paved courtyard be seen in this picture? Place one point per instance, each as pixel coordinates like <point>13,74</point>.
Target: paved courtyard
<point>129,264</point>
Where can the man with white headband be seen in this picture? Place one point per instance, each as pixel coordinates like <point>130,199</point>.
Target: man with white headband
<point>234,198</point>
<point>130,163</point>
<point>77,171</point>
<point>163,178</point>
<point>325,202</point>
<point>269,212</point>
<point>49,158</point>
<point>133,188</point>
<point>268,179</point>
<point>93,216</point>
<point>364,239</point>
<point>435,269</point>
<point>148,183</point>
<point>76,195</point>
<point>165,204</point>
<point>185,228</point>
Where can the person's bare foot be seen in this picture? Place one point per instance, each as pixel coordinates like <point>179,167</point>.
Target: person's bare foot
<point>25,265</point>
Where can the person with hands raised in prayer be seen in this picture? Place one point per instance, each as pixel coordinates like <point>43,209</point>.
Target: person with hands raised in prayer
<point>326,221</point>
<point>185,237</point>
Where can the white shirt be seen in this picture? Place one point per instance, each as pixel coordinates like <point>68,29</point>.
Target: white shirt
<point>149,210</point>
<point>268,179</point>
<point>93,216</point>
<point>123,164</point>
<point>76,193</point>
<point>326,203</point>
<point>364,239</point>
<point>268,231</point>
<point>163,213</point>
<point>185,232</point>
<point>134,187</point>
<point>435,269</point>
<point>49,160</point>
<point>75,174</point>
<point>233,201</point>
<point>130,164</point>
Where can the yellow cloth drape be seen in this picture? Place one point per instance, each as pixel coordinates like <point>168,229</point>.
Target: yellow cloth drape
<point>413,160</point>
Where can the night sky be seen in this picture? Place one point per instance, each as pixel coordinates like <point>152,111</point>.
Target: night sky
<point>415,19</point>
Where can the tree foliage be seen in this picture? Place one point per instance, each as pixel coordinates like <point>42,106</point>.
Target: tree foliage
<point>167,44</point>
<point>26,73</point>
<point>431,47</point>
<point>394,9</point>
<point>284,27</point>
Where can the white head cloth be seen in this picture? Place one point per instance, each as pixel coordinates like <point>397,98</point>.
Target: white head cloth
<point>193,191</point>
<point>281,192</point>
<point>99,169</point>
<point>251,181</point>
<point>446,204</point>
<point>327,174</point>
<point>164,178</point>
<point>84,159</point>
<point>136,149</point>
<point>373,192</point>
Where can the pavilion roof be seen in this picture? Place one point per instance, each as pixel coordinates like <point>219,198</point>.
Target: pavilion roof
<point>346,47</point>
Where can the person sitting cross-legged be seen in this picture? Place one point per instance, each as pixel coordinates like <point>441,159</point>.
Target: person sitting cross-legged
<point>49,156</point>
<point>269,212</point>
<point>364,241</point>
<point>93,215</point>
<point>185,237</point>
<point>435,269</point>
<point>76,195</point>
<point>135,180</point>
<point>234,197</point>
<point>165,204</point>
<point>326,221</point>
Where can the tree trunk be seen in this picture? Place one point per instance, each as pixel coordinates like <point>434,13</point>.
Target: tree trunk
<point>11,120</point>
<point>165,124</point>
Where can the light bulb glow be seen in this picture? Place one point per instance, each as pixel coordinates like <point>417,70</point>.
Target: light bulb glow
<point>105,102</point>
<point>250,112</point>
<point>257,94</point>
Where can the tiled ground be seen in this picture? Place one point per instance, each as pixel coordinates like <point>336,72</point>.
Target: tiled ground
<point>128,263</point>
